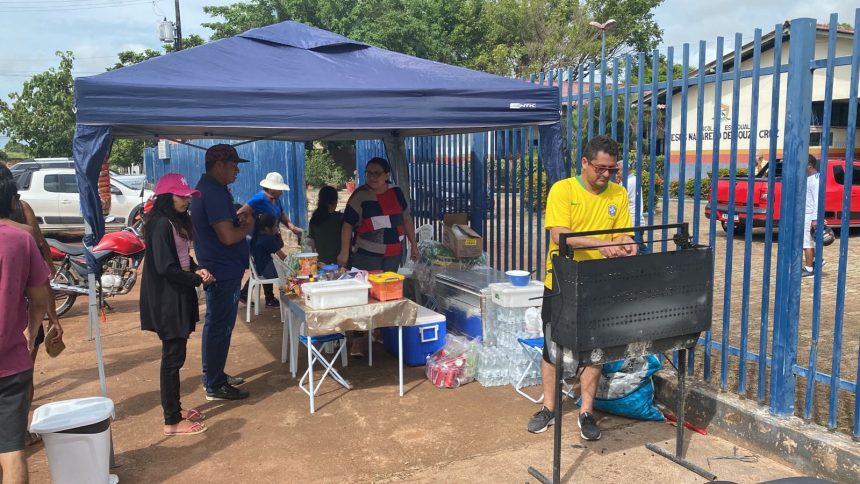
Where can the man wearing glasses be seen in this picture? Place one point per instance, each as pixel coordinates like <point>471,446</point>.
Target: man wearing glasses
<point>587,202</point>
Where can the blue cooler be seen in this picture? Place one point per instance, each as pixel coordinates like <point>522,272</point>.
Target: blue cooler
<point>462,321</point>
<point>419,341</point>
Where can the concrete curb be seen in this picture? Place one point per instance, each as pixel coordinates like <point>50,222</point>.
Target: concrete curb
<point>807,447</point>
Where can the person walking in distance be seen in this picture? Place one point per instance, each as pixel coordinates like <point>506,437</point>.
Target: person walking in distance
<point>587,202</point>
<point>24,300</point>
<point>810,217</point>
<point>221,247</point>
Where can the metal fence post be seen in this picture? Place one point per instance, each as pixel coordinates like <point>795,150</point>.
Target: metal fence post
<point>792,203</point>
<point>478,191</point>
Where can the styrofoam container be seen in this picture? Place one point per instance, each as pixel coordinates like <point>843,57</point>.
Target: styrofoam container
<point>77,439</point>
<point>335,294</point>
<point>507,295</point>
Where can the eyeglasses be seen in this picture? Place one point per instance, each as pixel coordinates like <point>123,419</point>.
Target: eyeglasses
<point>374,174</point>
<point>605,169</point>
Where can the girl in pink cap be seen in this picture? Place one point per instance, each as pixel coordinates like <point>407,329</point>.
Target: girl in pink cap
<point>168,298</point>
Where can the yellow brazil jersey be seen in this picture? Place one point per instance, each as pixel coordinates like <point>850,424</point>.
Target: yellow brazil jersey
<point>571,205</point>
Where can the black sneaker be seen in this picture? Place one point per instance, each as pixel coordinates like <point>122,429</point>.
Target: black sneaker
<point>588,428</point>
<point>234,380</point>
<point>541,421</point>
<point>227,392</point>
<point>273,303</point>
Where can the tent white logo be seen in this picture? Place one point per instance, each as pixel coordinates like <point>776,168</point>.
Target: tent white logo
<point>523,105</point>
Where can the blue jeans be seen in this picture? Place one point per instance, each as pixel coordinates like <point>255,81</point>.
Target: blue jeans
<point>222,304</point>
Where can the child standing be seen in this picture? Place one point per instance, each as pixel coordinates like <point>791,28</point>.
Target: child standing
<point>267,240</point>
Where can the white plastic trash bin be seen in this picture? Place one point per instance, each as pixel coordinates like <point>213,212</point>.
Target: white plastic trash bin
<point>77,439</point>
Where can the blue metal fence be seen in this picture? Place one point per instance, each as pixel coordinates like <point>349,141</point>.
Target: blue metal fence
<point>284,157</point>
<point>497,178</point>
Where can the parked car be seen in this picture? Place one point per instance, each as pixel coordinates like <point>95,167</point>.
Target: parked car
<point>835,189</point>
<point>133,181</point>
<point>53,194</point>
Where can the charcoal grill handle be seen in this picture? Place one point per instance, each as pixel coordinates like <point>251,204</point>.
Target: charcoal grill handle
<point>682,238</point>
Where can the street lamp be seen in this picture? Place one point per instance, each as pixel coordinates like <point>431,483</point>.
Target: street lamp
<point>603,27</point>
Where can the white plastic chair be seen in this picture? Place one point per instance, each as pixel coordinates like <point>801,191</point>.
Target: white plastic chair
<point>255,282</point>
<point>282,271</point>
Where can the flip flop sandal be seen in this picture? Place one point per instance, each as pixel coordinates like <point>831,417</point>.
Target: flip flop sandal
<point>194,415</point>
<point>196,428</point>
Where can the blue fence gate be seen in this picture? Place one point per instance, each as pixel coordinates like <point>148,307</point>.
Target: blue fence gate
<point>791,92</point>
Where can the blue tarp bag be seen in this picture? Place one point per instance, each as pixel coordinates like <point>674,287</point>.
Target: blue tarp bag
<point>626,389</point>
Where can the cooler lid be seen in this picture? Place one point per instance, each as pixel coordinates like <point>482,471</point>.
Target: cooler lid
<point>70,414</point>
<point>506,288</point>
<point>474,280</point>
<point>428,316</point>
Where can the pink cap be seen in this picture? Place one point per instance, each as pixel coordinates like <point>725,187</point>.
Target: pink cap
<point>175,184</point>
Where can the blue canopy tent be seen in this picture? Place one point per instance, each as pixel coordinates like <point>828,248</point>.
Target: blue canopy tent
<point>293,82</point>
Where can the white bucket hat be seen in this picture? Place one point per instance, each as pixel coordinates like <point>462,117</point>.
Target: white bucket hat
<point>274,181</point>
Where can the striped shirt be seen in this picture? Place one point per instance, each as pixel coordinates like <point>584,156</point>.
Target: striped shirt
<point>377,220</point>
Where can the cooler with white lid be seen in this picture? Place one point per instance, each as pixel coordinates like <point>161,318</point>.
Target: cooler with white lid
<point>507,295</point>
<point>419,341</point>
<point>335,294</point>
<point>77,439</point>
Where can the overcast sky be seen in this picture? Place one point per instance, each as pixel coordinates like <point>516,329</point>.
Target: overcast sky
<point>95,30</point>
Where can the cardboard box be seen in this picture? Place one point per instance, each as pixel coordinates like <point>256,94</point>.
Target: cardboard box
<point>459,237</point>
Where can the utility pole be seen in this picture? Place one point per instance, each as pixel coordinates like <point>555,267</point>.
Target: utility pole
<point>177,42</point>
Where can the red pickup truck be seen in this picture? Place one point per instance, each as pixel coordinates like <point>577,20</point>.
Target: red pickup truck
<point>835,176</point>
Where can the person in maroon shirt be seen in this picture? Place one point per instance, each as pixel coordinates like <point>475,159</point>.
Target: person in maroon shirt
<point>23,274</point>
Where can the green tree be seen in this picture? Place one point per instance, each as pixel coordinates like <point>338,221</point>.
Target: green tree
<point>509,37</point>
<point>14,149</point>
<point>41,115</point>
<point>526,36</point>
<point>3,155</point>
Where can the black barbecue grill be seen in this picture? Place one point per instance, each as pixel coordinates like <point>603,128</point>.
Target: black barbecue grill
<point>610,309</point>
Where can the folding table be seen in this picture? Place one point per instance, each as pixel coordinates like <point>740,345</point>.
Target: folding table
<point>320,322</point>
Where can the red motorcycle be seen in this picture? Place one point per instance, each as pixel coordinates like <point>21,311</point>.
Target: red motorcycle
<point>118,253</point>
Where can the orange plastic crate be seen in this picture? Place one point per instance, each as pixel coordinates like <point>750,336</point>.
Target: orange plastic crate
<point>387,286</point>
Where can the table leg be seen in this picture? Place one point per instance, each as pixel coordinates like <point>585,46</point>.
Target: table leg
<point>285,335</point>
<point>370,344</point>
<point>400,354</point>
<point>311,373</point>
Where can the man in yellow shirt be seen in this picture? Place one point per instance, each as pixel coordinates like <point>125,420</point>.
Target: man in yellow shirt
<point>583,203</point>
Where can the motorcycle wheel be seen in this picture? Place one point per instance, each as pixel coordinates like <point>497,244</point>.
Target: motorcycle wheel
<point>63,301</point>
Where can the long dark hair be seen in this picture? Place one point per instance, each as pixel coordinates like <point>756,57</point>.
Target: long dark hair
<point>326,197</point>
<point>163,207</point>
<point>8,197</point>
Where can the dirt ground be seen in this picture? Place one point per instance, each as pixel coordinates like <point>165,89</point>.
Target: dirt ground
<point>367,434</point>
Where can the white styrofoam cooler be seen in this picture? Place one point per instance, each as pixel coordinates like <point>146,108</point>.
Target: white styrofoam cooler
<point>335,294</point>
<point>77,439</point>
<point>507,295</point>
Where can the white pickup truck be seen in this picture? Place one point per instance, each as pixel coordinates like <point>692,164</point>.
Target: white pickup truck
<point>53,194</point>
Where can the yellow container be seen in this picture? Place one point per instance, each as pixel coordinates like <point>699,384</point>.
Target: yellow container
<point>386,286</point>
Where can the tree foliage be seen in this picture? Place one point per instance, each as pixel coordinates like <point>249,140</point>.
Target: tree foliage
<point>508,37</point>
<point>41,115</point>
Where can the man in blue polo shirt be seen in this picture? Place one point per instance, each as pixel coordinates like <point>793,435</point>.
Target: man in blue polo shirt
<point>222,248</point>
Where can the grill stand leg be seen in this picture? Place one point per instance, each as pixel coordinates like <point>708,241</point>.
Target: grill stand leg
<point>556,445</point>
<point>678,456</point>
